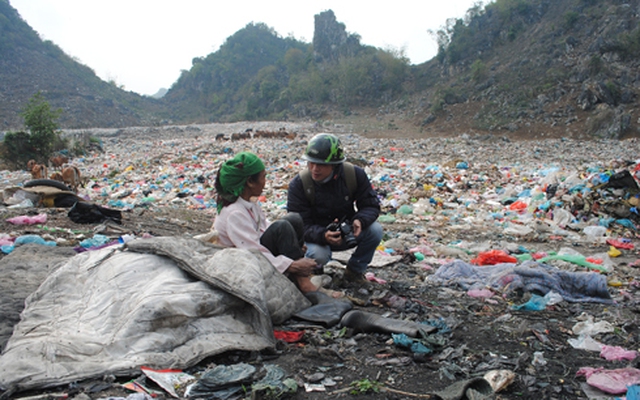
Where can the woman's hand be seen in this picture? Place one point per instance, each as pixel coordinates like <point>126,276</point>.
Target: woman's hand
<point>302,267</point>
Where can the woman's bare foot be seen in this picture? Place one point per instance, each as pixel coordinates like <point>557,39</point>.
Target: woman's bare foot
<point>305,285</point>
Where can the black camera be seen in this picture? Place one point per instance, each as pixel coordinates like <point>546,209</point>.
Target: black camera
<point>346,231</point>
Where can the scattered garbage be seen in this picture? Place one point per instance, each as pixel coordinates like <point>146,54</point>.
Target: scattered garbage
<point>486,232</point>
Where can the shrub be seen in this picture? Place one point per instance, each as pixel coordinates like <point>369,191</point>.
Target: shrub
<point>478,70</point>
<point>42,138</point>
<point>570,19</point>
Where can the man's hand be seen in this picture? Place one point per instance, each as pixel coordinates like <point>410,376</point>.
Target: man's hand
<point>333,238</point>
<point>302,267</point>
<point>357,227</point>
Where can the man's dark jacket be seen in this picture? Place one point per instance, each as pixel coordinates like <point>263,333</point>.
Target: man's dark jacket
<point>331,202</point>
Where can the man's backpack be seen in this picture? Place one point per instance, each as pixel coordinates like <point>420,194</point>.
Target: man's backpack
<point>310,192</point>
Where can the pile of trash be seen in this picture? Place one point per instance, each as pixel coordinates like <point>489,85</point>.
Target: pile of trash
<point>514,227</point>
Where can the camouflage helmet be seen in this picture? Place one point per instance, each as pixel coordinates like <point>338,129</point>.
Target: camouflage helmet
<point>324,148</point>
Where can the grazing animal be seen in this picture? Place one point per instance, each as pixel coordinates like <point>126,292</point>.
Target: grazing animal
<point>39,171</point>
<point>56,176</point>
<point>241,136</point>
<point>58,161</point>
<point>71,177</point>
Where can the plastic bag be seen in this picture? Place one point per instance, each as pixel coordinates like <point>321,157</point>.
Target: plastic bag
<point>28,220</point>
<point>617,353</point>
<point>575,259</point>
<point>585,342</point>
<point>493,257</point>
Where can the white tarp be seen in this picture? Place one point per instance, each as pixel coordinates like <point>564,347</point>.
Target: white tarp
<point>163,302</point>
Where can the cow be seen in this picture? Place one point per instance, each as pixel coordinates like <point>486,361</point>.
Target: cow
<point>58,161</point>
<point>71,177</point>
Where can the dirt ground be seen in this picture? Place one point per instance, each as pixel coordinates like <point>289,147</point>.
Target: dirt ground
<point>484,335</point>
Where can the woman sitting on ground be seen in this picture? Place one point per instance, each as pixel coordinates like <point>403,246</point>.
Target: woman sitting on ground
<point>242,223</point>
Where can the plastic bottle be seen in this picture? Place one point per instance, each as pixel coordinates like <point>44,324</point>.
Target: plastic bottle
<point>126,238</point>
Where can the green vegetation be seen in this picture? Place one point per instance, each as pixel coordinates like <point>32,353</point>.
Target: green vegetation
<point>478,71</point>
<point>570,19</point>
<point>365,386</point>
<point>42,138</point>
<point>628,44</point>
<point>463,38</point>
<point>258,75</point>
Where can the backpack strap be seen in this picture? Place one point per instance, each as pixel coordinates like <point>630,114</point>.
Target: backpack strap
<point>307,185</point>
<point>350,177</point>
<point>310,192</point>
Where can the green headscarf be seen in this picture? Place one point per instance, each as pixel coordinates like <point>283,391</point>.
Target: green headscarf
<point>233,175</point>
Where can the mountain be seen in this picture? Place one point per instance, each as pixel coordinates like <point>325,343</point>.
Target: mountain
<point>29,65</point>
<point>520,68</point>
<point>213,88</point>
<point>534,68</point>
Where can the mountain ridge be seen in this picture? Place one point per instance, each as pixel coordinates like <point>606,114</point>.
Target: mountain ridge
<point>522,68</point>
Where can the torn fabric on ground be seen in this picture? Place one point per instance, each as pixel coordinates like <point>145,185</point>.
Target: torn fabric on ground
<point>530,276</point>
<point>165,302</point>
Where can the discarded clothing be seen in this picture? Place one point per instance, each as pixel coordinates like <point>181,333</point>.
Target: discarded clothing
<point>328,312</point>
<point>87,213</point>
<point>530,276</point>
<point>369,322</point>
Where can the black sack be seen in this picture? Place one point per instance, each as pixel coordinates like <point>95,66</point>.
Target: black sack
<point>88,213</point>
<point>623,180</point>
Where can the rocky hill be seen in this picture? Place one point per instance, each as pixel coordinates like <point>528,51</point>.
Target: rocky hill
<point>29,64</point>
<point>520,68</point>
<point>535,68</point>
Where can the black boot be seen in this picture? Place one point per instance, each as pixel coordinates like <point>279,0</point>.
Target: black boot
<point>369,322</point>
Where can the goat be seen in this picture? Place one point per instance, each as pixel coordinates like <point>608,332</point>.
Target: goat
<point>58,161</point>
<point>56,176</point>
<point>39,171</point>
<point>72,178</point>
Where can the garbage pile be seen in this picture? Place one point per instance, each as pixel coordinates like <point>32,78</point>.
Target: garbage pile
<point>517,227</point>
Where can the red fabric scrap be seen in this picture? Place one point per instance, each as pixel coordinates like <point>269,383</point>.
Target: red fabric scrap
<point>518,205</point>
<point>620,245</point>
<point>288,336</point>
<point>493,257</point>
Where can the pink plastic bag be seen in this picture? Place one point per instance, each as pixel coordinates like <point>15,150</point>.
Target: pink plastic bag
<point>615,353</point>
<point>481,293</point>
<point>371,277</point>
<point>28,220</point>
<point>614,381</point>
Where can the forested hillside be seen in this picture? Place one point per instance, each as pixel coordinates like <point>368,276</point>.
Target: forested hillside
<point>256,74</point>
<point>29,64</point>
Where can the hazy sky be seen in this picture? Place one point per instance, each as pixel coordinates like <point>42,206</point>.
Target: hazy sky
<point>144,44</point>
